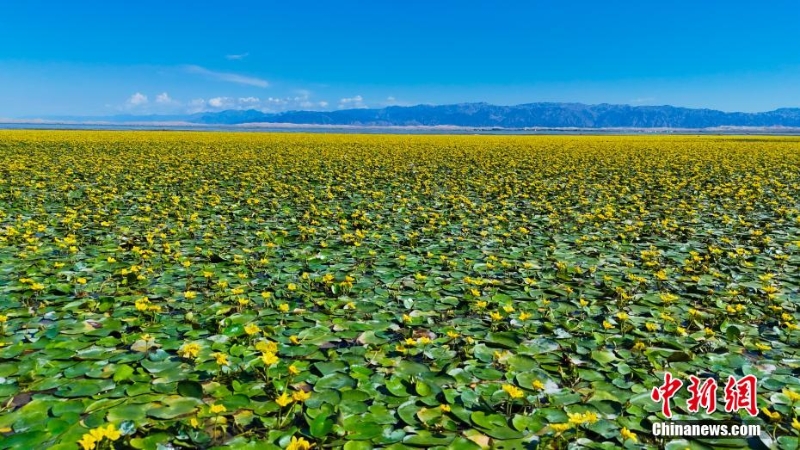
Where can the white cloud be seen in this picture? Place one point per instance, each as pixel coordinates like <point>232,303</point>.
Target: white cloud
<point>352,102</point>
<point>228,77</point>
<point>269,104</point>
<point>137,99</point>
<point>276,101</point>
<point>237,57</point>
<point>390,99</point>
<point>219,102</point>
<point>196,105</point>
<point>164,99</point>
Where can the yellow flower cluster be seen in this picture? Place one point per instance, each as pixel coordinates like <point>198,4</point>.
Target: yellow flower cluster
<point>90,440</point>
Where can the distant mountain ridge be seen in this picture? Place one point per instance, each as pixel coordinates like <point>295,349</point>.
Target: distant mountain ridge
<point>531,115</point>
<point>485,115</point>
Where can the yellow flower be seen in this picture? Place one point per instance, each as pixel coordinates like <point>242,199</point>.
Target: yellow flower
<point>452,334</point>
<point>581,418</point>
<point>189,350</point>
<point>666,297</point>
<point>795,424</point>
<point>283,400</point>
<point>793,396</point>
<point>193,422</point>
<point>774,416</point>
<point>523,316</point>
<point>189,295</point>
<point>495,315</point>
<point>406,318</point>
<point>607,325</point>
<point>80,280</point>
<point>269,358</point>
<point>538,385</point>
<point>560,427</point>
<point>583,302</point>
<point>87,442</point>
<point>651,326</point>
<point>762,347</point>
<point>628,435</point>
<point>638,346</point>
<point>222,358</point>
<point>267,346</point>
<point>508,309</point>
<point>111,259</point>
<point>300,396</point>
<point>299,444</point>
<point>98,434</point>
<point>3,318</point>
<point>513,391</point>
<point>216,409</point>
<point>266,295</point>
<point>283,308</point>
<point>291,287</point>
<point>444,407</point>
<point>293,370</point>
<point>251,329</point>
<point>294,339</point>
<point>590,417</point>
<point>142,304</point>
<point>622,315</point>
<point>111,432</point>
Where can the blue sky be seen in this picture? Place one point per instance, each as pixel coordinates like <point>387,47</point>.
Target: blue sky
<point>93,57</point>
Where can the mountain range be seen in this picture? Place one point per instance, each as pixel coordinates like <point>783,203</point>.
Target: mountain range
<point>484,115</point>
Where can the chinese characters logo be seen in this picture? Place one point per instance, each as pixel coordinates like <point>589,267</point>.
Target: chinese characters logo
<point>739,394</point>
